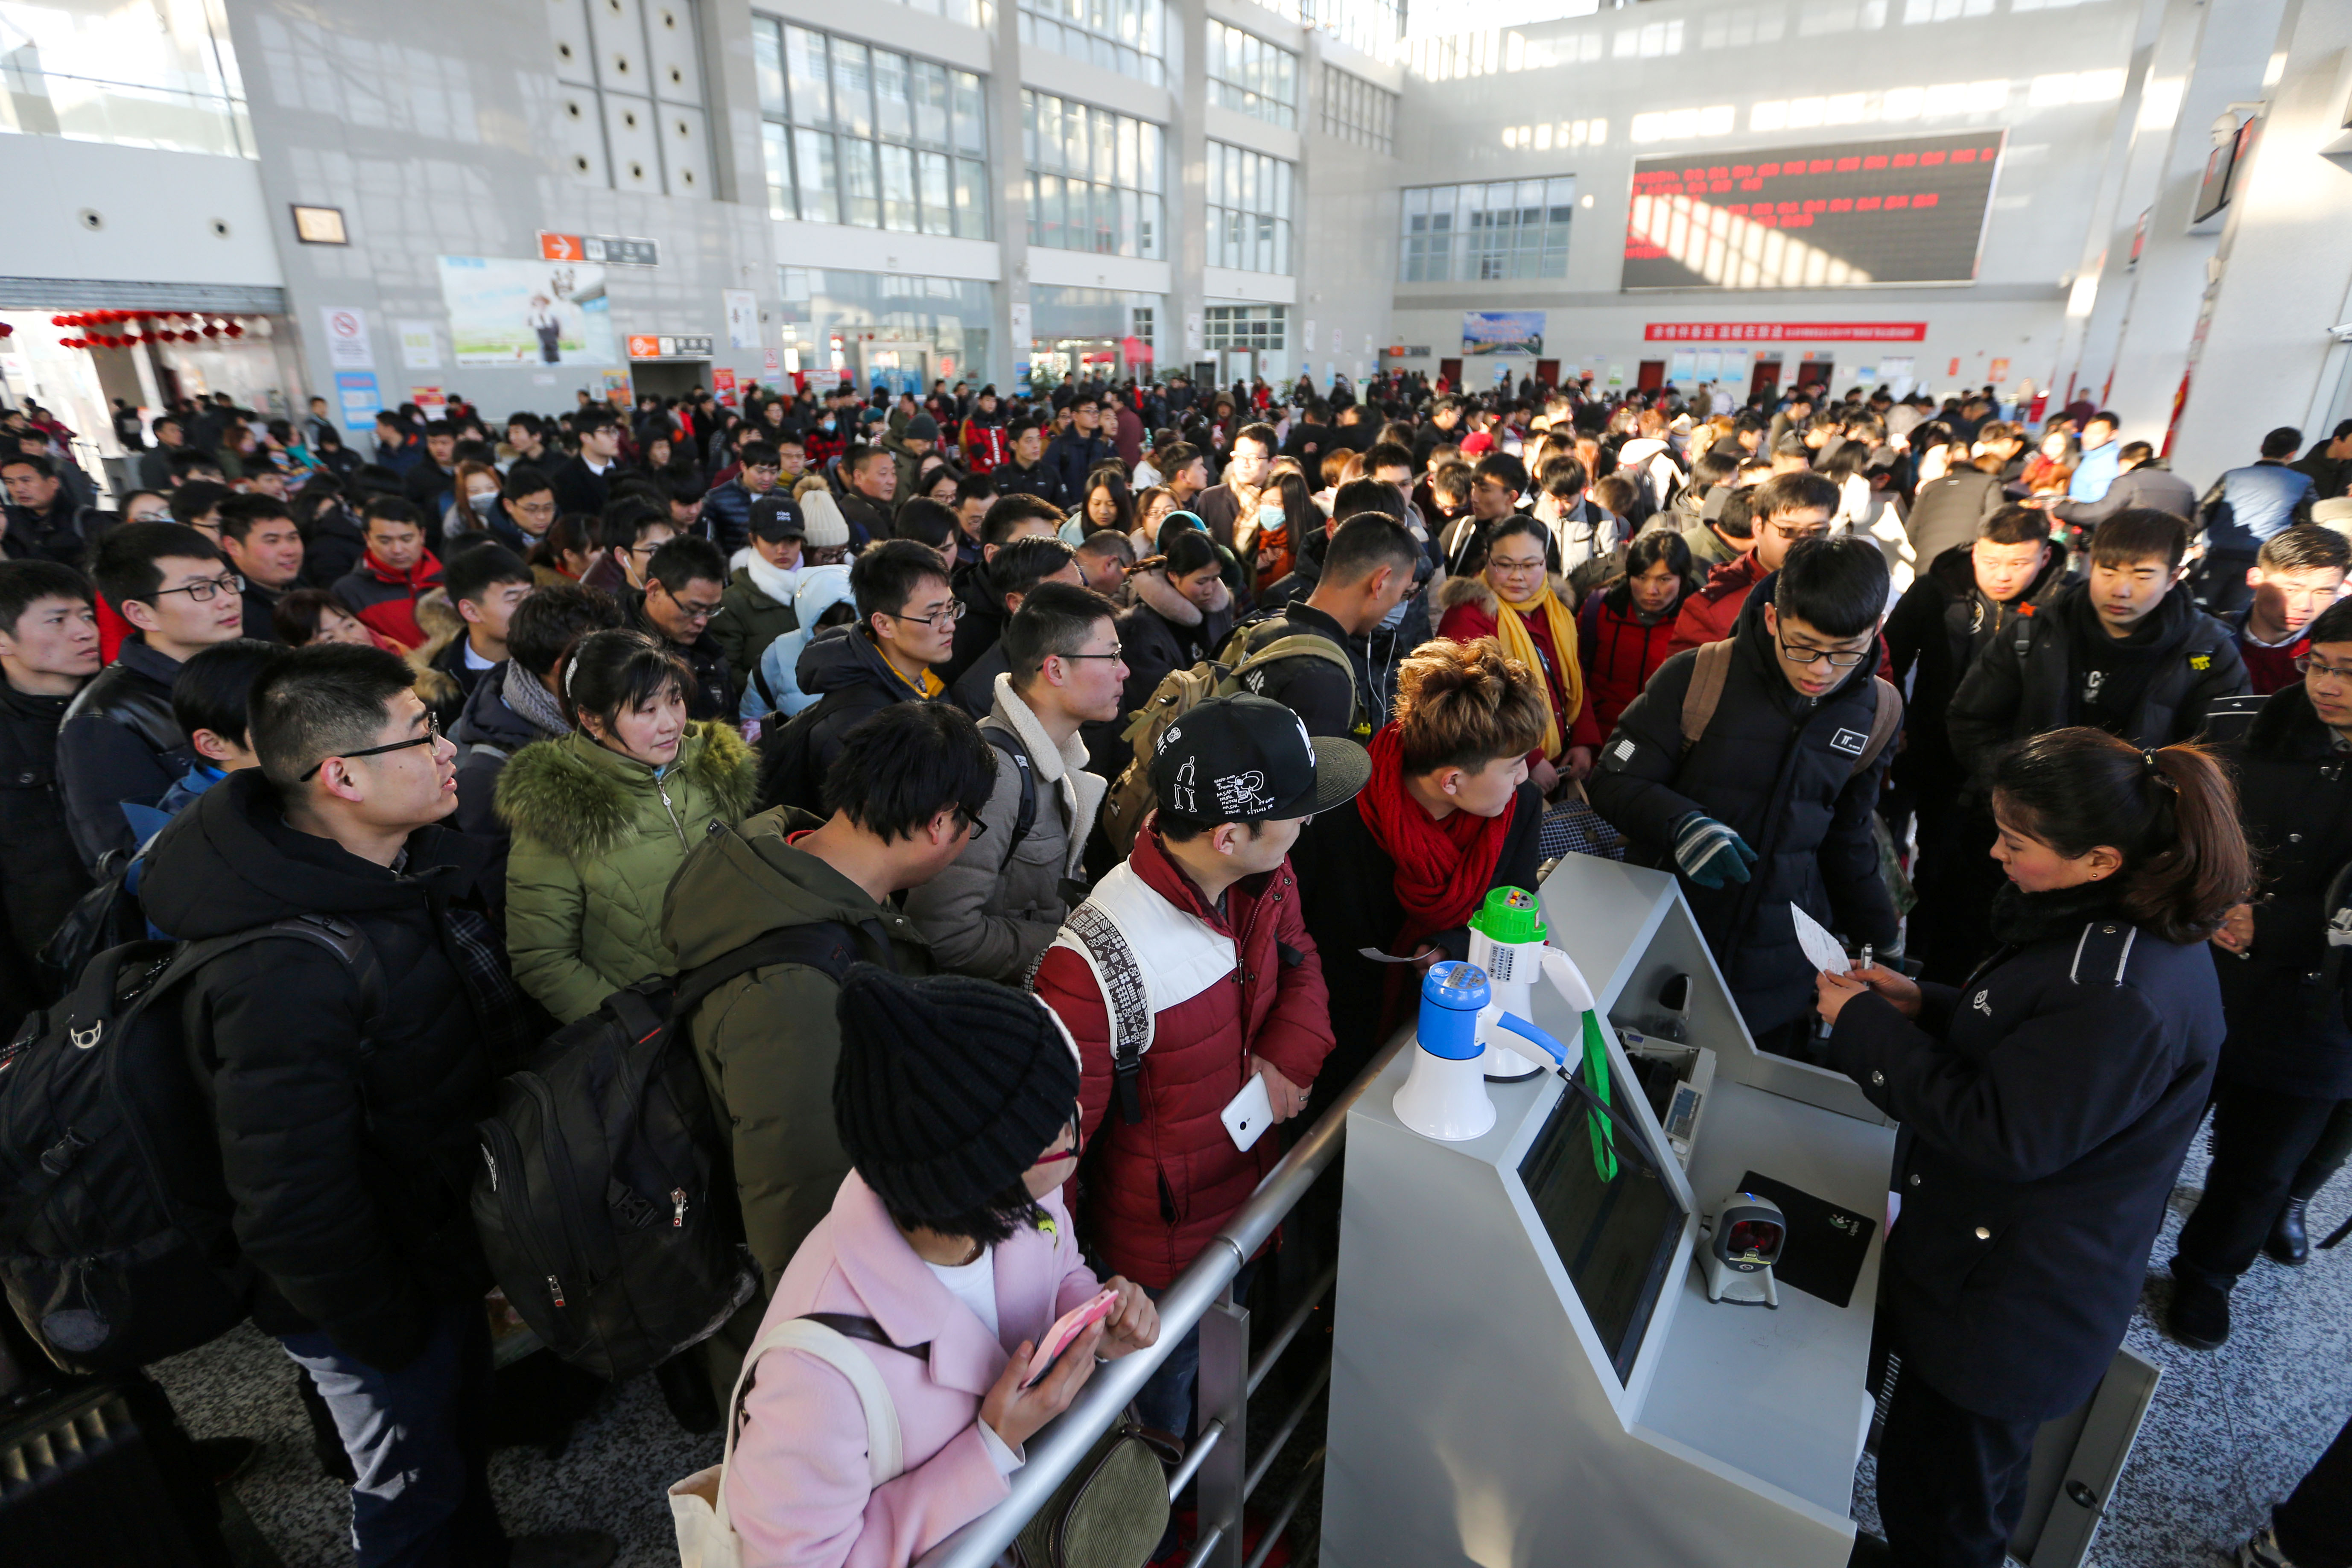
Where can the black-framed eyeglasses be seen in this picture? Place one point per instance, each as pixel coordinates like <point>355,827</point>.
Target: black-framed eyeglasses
<point>1838,660</point>
<point>432,735</point>
<point>2311,664</point>
<point>1114,653</point>
<point>201,591</point>
<point>972,824</point>
<point>937,620</point>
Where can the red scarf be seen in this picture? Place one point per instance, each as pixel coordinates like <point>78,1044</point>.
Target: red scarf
<point>1444,868</point>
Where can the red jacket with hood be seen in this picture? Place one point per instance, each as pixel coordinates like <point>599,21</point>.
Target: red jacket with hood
<point>1618,652</point>
<point>1157,1189</point>
<point>1709,615</point>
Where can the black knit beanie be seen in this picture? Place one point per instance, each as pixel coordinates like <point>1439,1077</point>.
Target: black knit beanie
<point>949,1087</point>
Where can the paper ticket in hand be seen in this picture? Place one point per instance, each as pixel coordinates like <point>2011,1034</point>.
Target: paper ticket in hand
<point>1822,950</point>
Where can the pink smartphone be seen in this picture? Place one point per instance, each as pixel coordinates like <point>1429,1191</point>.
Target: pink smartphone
<point>1066,1333</point>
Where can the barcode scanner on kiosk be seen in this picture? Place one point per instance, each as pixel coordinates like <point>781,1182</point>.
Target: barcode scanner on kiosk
<point>1745,1238</point>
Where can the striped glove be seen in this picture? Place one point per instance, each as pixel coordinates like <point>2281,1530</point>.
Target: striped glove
<point>1709,853</point>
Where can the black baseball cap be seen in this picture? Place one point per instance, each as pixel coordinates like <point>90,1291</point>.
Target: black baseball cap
<point>1250,759</point>
<point>777,516</point>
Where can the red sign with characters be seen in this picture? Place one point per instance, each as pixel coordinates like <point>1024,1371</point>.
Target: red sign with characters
<point>1785,332</point>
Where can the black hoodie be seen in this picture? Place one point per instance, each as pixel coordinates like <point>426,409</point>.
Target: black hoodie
<point>1943,622</point>
<point>348,1162</point>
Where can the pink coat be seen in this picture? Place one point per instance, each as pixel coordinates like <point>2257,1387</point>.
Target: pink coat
<point>798,1491</point>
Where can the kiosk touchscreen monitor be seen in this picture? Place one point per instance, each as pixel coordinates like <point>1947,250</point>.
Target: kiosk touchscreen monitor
<point>1614,1235</point>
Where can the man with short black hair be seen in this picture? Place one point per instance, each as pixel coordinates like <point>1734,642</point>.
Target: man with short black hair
<point>869,487</point>
<point>900,794</point>
<point>119,740</point>
<point>2101,459</point>
<point>382,590</point>
<point>1024,472</point>
<point>517,704</point>
<point>1368,571</point>
<point>2139,482</point>
<point>1018,568</point>
<point>1015,517</point>
<point>2242,511</point>
<point>1183,470</point>
<point>1219,507</point>
<point>1078,451</point>
<point>43,520</point>
<point>1497,485</point>
<point>155,463</point>
<point>1785,510</point>
<point>259,536</point>
<point>1796,686</point>
<point>686,582</point>
<point>992,912</point>
<point>2298,573</point>
<point>49,651</point>
<point>432,483</point>
<point>1444,417</point>
<point>486,583</point>
<point>346,1073</point>
<point>727,509</point>
<point>585,482</point>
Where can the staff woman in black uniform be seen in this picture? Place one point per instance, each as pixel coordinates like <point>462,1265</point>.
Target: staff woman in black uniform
<point>2046,1107</point>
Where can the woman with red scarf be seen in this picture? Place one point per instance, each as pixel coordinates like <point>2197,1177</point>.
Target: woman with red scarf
<point>1449,814</point>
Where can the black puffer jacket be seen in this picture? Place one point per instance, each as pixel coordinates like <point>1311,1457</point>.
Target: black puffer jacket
<point>40,875</point>
<point>851,681</point>
<point>2195,664</point>
<point>1938,628</point>
<point>2290,1023</point>
<point>120,743</point>
<point>712,694</point>
<point>487,734</point>
<point>1777,767</point>
<point>2046,1107</point>
<point>348,1163</point>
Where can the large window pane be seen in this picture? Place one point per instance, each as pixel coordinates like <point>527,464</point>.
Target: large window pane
<point>861,198</point>
<point>1049,213</point>
<point>971,199</point>
<point>853,89</point>
<point>768,65</point>
<point>804,66</point>
<point>779,158</point>
<point>898,186</point>
<point>819,181</point>
<point>938,205</point>
<point>894,119</point>
<point>930,93</point>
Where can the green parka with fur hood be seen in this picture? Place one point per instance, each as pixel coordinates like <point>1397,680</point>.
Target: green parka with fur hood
<point>597,838</point>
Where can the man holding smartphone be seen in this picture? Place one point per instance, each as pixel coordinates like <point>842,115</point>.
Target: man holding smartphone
<point>1186,979</point>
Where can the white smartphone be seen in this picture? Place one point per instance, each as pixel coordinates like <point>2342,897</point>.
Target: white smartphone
<point>1249,1113</point>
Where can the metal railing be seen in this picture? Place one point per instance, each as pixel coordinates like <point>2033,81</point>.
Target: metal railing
<point>1218,1456</point>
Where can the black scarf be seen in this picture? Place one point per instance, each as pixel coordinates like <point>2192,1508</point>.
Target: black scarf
<point>2020,919</point>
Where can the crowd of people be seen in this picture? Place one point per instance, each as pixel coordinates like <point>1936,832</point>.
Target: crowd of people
<point>1102,739</point>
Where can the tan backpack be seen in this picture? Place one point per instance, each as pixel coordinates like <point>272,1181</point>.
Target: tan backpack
<point>1181,691</point>
<point>1713,668</point>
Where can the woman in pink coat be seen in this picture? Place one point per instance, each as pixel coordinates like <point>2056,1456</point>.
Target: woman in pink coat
<point>957,1102</point>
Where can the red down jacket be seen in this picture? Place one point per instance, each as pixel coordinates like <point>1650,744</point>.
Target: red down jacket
<point>1155,1191</point>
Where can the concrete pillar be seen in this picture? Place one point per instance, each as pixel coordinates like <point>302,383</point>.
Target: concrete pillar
<point>1187,180</point>
<point>1008,350</point>
<point>2230,53</point>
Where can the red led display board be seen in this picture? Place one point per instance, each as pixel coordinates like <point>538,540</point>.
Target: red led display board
<point>1906,210</point>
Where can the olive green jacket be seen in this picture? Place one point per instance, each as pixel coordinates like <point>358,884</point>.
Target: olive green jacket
<point>597,838</point>
<point>768,1041</point>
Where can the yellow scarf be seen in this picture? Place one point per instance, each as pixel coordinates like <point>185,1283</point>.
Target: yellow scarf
<point>1511,629</point>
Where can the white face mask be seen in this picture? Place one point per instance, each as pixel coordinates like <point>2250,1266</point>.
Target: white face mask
<point>483,504</point>
<point>1395,618</point>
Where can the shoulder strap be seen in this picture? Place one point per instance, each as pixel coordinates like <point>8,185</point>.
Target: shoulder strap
<point>1024,815</point>
<point>869,1331</point>
<point>1710,670</point>
<point>345,941</point>
<point>484,749</point>
<point>884,1450</point>
<point>827,945</point>
<point>1299,644</point>
<point>1127,999</point>
<point>1883,724</point>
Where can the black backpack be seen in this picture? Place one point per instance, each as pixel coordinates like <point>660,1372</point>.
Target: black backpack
<point>115,1245</point>
<point>606,1202</point>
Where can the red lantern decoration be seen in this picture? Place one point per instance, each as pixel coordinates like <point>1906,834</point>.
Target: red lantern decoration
<point>234,330</point>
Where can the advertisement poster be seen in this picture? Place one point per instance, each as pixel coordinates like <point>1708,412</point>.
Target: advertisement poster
<point>527,313</point>
<point>722,382</point>
<point>1502,331</point>
<point>417,349</point>
<point>360,398</point>
<point>742,318</point>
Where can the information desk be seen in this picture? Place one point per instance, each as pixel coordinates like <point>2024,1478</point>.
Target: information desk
<point>1527,1370</point>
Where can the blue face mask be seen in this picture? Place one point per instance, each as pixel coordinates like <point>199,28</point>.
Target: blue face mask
<point>1271,519</point>
<point>1395,618</point>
